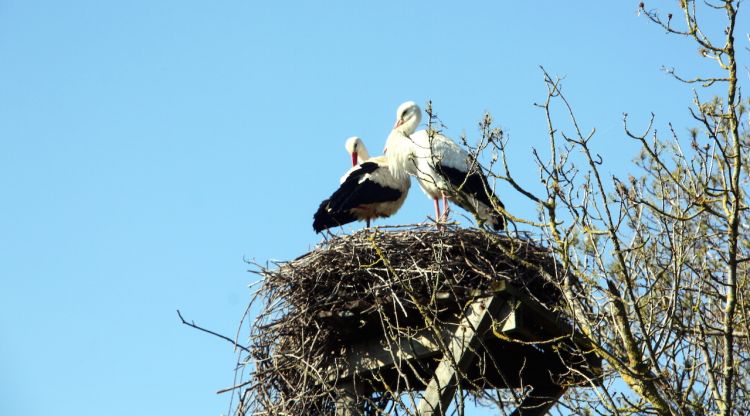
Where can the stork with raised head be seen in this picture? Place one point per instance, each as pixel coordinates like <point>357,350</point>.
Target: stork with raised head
<point>368,190</point>
<point>444,169</point>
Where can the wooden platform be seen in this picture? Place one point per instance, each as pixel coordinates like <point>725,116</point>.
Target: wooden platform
<point>501,339</point>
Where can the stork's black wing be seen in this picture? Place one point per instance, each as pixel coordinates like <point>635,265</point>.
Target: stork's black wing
<point>358,189</point>
<point>324,218</point>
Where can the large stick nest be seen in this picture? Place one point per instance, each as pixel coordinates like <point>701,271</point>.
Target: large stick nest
<point>351,288</point>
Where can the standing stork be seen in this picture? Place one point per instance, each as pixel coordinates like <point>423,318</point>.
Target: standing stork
<point>444,169</point>
<point>368,190</point>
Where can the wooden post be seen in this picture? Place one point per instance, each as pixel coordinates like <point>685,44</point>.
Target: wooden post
<point>476,321</point>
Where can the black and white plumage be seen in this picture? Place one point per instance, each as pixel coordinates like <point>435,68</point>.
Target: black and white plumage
<point>444,169</point>
<point>368,190</point>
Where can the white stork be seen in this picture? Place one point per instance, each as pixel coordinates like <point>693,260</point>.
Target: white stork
<point>443,168</point>
<point>368,190</point>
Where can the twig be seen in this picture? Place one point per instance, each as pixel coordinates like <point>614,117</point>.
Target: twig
<point>192,324</point>
<point>228,389</point>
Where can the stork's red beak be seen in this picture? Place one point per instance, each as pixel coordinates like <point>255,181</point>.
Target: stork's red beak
<point>398,123</point>
<point>354,159</point>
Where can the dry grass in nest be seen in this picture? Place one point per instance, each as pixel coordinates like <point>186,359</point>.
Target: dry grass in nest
<point>356,288</point>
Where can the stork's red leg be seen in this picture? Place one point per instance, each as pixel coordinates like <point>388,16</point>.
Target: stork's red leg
<point>437,210</point>
<point>446,207</point>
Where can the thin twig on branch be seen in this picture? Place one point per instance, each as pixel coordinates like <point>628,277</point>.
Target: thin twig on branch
<point>192,324</point>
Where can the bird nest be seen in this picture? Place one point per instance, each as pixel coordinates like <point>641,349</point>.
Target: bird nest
<point>364,287</point>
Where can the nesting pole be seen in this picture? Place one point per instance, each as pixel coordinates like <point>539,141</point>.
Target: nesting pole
<point>404,319</point>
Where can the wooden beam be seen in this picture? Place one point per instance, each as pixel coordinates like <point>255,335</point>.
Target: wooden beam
<point>476,321</point>
<point>378,356</point>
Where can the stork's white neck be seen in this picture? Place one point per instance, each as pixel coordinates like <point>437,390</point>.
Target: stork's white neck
<point>362,153</point>
<point>400,150</point>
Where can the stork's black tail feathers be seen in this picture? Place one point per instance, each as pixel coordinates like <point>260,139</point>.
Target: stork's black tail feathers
<point>498,220</point>
<point>325,219</point>
<point>476,186</point>
<point>490,214</point>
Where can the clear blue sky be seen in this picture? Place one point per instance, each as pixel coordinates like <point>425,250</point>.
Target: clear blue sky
<point>148,147</point>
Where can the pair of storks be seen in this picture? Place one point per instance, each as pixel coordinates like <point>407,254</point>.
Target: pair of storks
<point>377,187</point>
